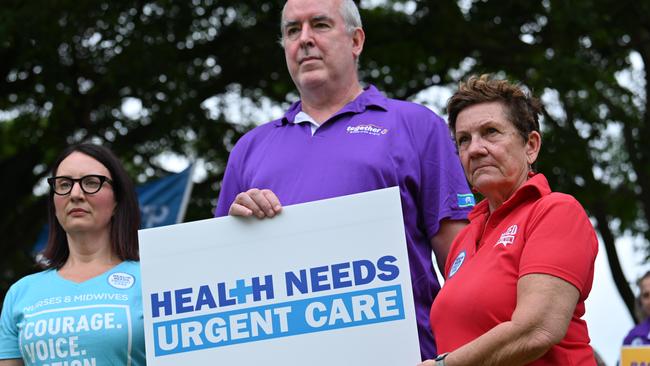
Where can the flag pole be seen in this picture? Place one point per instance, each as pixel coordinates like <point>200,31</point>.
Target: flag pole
<point>186,193</point>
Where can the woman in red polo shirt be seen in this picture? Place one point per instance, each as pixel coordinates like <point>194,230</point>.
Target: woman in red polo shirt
<point>518,275</point>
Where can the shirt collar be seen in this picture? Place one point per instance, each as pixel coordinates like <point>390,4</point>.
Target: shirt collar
<point>368,99</point>
<point>535,187</point>
<point>303,117</point>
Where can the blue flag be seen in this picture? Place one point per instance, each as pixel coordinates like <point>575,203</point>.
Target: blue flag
<point>162,202</point>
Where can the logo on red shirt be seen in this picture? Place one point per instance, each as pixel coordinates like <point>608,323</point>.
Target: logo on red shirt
<point>507,237</point>
<point>457,263</point>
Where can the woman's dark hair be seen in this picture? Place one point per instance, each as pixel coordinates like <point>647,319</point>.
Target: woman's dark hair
<point>522,109</point>
<point>125,221</point>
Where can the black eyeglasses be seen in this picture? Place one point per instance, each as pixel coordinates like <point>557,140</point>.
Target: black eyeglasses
<point>89,183</point>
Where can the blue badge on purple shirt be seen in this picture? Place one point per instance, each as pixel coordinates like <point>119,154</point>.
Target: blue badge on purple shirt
<point>465,200</point>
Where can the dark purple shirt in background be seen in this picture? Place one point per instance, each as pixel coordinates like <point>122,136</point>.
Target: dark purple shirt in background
<point>639,335</point>
<point>371,143</point>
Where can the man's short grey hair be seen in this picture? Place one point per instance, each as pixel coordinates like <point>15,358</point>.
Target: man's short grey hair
<point>351,16</point>
<point>349,12</point>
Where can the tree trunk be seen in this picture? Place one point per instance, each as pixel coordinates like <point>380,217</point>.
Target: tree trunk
<point>622,285</point>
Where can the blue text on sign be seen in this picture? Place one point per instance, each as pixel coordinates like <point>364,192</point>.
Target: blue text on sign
<point>285,319</point>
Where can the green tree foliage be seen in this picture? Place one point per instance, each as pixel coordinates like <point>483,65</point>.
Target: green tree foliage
<point>577,55</point>
<point>68,68</point>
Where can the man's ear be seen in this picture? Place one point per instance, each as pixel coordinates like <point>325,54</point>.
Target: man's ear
<point>358,39</point>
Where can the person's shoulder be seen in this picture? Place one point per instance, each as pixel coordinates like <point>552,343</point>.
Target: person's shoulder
<point>399,107</point>
<point>538,188</point>
<point>561,199</point>
<point>37,276</point>
<point>561,206</point>
<point>638,335</point>
<point>410,108</point>
<point>642,328</point>
<point>32,279</point>
<point>129,266</point>
<point>266,126</point>
<point>415,116</point>
<point>258,133</point>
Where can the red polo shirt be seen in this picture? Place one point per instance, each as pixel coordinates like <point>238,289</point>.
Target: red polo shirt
<point>535,231</point>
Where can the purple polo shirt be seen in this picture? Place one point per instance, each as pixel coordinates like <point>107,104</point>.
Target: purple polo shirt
<point>371,143</point>
<point>639,335</point>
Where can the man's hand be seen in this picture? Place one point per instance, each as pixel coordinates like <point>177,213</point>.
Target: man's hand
<point>259,202</point>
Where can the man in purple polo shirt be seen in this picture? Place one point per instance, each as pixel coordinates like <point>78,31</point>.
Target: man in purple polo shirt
<point>342,139</point>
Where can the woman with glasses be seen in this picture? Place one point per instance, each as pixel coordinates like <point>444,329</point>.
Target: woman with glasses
<point>85,308</point>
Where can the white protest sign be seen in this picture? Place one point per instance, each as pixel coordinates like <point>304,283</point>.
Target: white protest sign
<point>323,283</point>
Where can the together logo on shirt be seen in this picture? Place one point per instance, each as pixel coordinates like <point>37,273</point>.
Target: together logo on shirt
<point>368,129</point>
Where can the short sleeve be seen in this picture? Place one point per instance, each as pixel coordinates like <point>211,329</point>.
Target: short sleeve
<point>560,241</point>
<point>444,189</point>
<point>8,328</point>
<point>230,186</point>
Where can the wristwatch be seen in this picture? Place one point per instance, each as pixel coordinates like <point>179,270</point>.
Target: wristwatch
<point>440,360</point>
